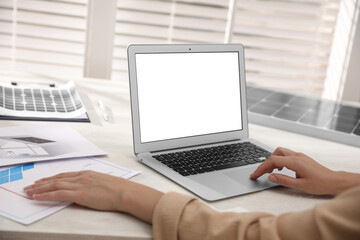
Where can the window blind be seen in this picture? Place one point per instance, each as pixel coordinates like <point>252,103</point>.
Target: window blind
<point>287,43</point>
<point>43,36</point>
<point>166,21</point>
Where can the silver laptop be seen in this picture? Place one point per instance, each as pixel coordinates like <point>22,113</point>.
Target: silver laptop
<point>189,117</point>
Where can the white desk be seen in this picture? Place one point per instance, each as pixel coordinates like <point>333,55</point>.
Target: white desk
<point>115,137</point>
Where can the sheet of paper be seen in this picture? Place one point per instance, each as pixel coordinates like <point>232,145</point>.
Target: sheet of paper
<point>34,100</point>
<point>32,143</point>
<point>19,207</point>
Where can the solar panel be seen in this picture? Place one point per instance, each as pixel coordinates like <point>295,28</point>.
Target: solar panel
<point>311,116</point>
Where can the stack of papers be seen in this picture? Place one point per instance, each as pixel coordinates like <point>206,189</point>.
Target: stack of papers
<point>34,143</point>
<point>22,153</point>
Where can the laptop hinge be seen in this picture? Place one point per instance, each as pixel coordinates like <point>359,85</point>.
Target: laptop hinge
<point>196,146</point>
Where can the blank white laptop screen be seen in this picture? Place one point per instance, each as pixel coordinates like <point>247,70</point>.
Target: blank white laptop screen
<point>187,94</point>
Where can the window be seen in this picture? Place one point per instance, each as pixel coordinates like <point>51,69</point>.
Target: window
<point>43,37</point>
<point>157,21</point>
<point>289,45</point>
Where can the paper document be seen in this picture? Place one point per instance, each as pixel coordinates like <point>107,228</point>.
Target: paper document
<point>39,101</point>
<point>33,143</point>
<point>16,205</point>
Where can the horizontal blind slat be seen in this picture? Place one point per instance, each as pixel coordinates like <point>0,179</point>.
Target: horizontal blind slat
<point>312,23</point>
<point>163,20</point>
<point>5,40</point>
<point>197,36</point>
<point>199,24</point>
<point>141,30</point>
<point>49,57</point>
<point>5,27</point>
<point>218,3</point>
<point>80,2</point>
<point>272,68</point>
<point>5,52</point>
<point>285,6</point>
<point>53,7</point>
<point>261,42</point>
<point>50,45</point>
<point>145,6</point>
<point>6,4</point>
<point>201,11</point>
<point>320,38</point>
<point>5,14</point>
<point>125,40</point>
<point>143,18</point>
<point>5,63</point>
<point>50,33</point>
<point>269,79</point>
<point>49,69</point>
<point>46,19</point>
<point>285,57</point>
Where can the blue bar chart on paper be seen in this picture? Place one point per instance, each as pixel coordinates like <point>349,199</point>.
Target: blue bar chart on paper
<point>14,173</point>
<point>18,206</point>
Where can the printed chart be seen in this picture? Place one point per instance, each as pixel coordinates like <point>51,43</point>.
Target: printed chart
<point>15,173</point>
<point>16,205</point>
<point>33,143</point>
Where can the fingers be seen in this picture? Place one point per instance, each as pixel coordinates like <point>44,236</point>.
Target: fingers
<point>286,181</point>
<point>60,195</point>
<point>280,151</point>
<point>50,187</point>
<point>51,181</point>
<point>61,175</point>
<point>274,162</point>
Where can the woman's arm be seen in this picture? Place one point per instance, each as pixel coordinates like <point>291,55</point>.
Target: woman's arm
<point>176,215</point>
<point>104,192</point>
<point>98,191</point>
<point>180,217</point>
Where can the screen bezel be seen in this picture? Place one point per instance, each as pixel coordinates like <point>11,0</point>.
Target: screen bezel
<point>161,145</point>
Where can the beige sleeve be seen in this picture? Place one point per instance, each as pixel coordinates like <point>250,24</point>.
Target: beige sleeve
<point>181,217</point>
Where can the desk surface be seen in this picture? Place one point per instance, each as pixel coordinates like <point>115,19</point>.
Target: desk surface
<point>115,137</point>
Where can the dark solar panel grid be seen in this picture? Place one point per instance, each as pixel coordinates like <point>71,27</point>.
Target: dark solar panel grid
<point>316,117</point>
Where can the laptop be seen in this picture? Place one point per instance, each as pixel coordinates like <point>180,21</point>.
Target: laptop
<point>189,117</point>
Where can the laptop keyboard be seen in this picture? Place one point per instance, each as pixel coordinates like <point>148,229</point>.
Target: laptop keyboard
<point>210,159</point>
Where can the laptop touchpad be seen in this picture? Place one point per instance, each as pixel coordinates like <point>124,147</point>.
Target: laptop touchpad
<point>243,176</point>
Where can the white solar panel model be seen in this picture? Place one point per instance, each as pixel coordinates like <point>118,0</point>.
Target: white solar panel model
<point>315,117</point>
<point>29,101</point>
